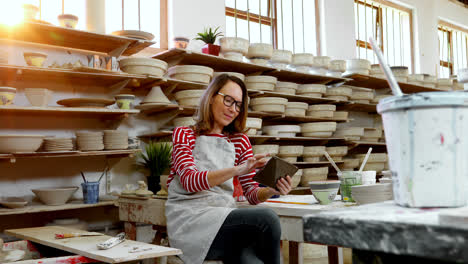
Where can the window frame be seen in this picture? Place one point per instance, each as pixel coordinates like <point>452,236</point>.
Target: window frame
<point>449,28</point>
<point>274,20</point>
<point>379,20</point>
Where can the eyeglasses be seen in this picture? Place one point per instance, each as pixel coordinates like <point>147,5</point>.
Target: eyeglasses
<point>229,101</point>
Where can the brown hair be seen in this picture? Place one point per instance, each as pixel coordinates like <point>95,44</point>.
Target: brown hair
<point>204,116</point>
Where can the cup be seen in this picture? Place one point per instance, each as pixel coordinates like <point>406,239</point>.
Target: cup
<point>349,179</point>
<point>181,42</point>
<point>90,192</point>
<point>125,101</point>
<point>369,177</point>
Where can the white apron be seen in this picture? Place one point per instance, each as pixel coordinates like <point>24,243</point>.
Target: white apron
<point>194,219</point>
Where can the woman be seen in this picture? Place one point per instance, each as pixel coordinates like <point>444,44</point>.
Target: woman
<point>202,218</point>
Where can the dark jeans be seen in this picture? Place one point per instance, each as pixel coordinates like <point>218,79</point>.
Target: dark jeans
<point>248,235</point>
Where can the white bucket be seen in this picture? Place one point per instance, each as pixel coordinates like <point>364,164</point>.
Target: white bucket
<point>427,144</point>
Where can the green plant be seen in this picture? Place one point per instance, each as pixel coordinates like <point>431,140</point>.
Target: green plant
<point>156,158</point>
<point>209,35</point>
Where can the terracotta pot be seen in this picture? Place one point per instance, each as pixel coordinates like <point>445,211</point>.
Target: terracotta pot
<point>211,49</point>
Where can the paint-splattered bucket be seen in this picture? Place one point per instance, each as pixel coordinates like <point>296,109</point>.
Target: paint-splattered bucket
<point>90,192</point>
<point>427,144</point>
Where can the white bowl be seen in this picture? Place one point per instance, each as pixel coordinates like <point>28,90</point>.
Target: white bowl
<point>303,59</point>
<point>322,107</point>
<point>12,143</point>
<point>314,151</point>
<point>253,122</point>
<point>262,149</point>
<point>232,44</point>
<point>305,89</point>
<point>357,65</point>
<point>184,121</point>
<point>337,151</point>
<point>191,73</point>
<point>291,151</point>
<point>318,127</point>
<point>281,56</point>
<point>149,66</point>
<point>337,65</point>
<point>38,96</point>
<point>260,50</point>
<point>322,61</point>
<point>55,196</point>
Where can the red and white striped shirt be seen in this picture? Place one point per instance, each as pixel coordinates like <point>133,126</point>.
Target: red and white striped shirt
<point>193,180</point>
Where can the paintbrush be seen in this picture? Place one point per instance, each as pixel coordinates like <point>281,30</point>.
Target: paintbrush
<point>82,176</point>
<point>69,235</point>
<point>105,171</point>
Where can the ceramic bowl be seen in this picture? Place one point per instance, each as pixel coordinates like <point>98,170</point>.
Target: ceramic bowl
<point>306,89</point>
<point>286,87</point>
<point>38,96</point>
<point>55,196</point>
<point>184,121</point>
<point>235,74</point>
<point>260,83</point>
<point>362,95</point>
<point>313,151</point>
<point>181,42</point>
<point>324,191</point>
<point>30,11</point>
<point>356,65</point>
<point>191,73</point>
<point>189,97</point>
<point>291,151</point>
<point>148,66</point>
<point>13,202</point>
<point>20,143</point>
<point>281,56</point>
<point>282,130</point>
<point>337,65</point>
<point>296,178</point>
<point>337,151</point>
<point>68,20</point>
<point>399,71</point>
<point>318,127</point>
<point>125,101</point>
<point>262,149</point>
<point>260,50</point>
<point>7,94</point>
<point>322,107</point>
<point>232,44</point>
<point>296,109</point>
<point>303,59</point>
<point>35,59</point>
<point>322,61</point>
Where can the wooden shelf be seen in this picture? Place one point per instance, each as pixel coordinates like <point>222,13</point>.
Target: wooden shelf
<point>306,164</point>
<point>37,207</point>
<point>304,78</point>
<point>293,98</point>
<point>63,154</point>
<point>73,38</point>
<point>305,119</point>
<point>182,56</point>
<point>367,143</point>
<point>367,81</point>
<point>10,74</point>
<point>159,134</point>
<point>158,108</point>
<point>358,107</point>
<point>52,110</point>
<point>259,139</point>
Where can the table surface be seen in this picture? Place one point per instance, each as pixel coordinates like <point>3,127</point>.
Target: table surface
<point>387,227</point>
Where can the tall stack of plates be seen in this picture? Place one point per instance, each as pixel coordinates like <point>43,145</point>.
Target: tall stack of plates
<point>365,194</point>
<point>58,144</point>
<point>115,139</point>
<point>89,141</point>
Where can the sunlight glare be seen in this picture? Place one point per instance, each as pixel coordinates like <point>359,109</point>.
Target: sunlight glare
<point>11,15</point>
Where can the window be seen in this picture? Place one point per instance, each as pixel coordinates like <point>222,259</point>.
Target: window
<point>287,24</point>
<point>138,15</point>
<point>452,49</point>
<point>48,10</point>
<point>390,25</point>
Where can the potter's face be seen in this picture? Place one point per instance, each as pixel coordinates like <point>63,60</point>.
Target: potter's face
<point>223,114</point>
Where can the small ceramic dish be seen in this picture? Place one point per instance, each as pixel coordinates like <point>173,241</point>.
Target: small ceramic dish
<point>13,202</point>
<point>36,59</point>
<point>68,20</point>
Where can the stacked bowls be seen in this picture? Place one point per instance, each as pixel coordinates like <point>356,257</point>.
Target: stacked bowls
<point>336,68</point>
<point>280,59</point>
<point>263,149</point>
<point>400,73</point>
<point>269,104</point>
<point>365,194</point>
<point>58,144</point>
<point>191,73</point>
<point>89,141</point>
<point>337,153</point>
<point>260,53</point>
<point>342,93</point>
<point>313,174</point>
<point>290,153</point>
<point>234,48</point>
<point>282,130</point>
<point>286,87</point>
<point>349,133</point>
<point>357,66</point>
<point>362,95</point>
<point>321,111</point>
<point>462,77</point>
<point>312,90</point>
<point>252,125</point>
<point>143,66</point>
<point>115,139</point>
<point>189,98</point>
<point>260,83</point>
<point>302,62</point>
<point>296,109</point>
<point>313,154</point>
<point>318,129</point>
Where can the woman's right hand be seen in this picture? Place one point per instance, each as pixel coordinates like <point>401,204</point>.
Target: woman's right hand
<point>257,161</point>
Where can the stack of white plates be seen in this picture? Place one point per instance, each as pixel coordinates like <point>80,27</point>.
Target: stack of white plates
<point>89,141</point>
<point>115,139</point>
<point>365,194</point>
<point>58,144</point>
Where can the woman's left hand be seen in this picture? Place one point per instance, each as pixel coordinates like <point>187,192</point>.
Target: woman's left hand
<point>284,185</point>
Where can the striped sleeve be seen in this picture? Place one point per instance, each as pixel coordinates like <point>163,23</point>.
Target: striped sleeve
<point>183,163</point>
<point>249,186</point>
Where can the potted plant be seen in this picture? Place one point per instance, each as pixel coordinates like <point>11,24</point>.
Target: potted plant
<point>209,37</point>
<point>156,159</point>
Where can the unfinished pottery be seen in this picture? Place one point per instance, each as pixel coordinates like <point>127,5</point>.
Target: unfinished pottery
<point>13,202</point>
<point>349,164</point>
<point>296,178</point>
<point>143,190</point>
<point>189,98</point>
<point>191,73</point>
<point>253,122</point>
<point>318,127</point>
<point>373,132</point>
<point>232,44</point>
<point>55,196</point>
<point>337,65</point>
<point>12,143</point>
<point>374,157</point>
<point>340,115</point>
<point>262,149</point>
<point>362,95</point>
<point>354,65</point>
<point>374,166</point>
<point>269,104</point>
<point>462,75</point>
<point>313,151</point>
<point>296,109</point>
<point>38,96</point>
<point>260,83</point>
<point>235,74</point>
<point>399,71</point>
<point>291,151</point>
<point>260,50</point>
<point>322,107</point>
<point>337,97</point>
<point>282,130</point>
<point>156,95</point>
<point>184,121</point>
<point>322,61</point>
<point>339,91</point>
<point>320,114</point>
<point>306,89</point>
<point>303,59</point>
<point>349,132</point>
<point>135,65</point>
<point>337,151</point>
<point>313,174</point>
<point>281,56</point>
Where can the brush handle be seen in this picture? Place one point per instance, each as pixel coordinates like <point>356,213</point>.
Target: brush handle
<point>365,159</point>
<point>332,162</point>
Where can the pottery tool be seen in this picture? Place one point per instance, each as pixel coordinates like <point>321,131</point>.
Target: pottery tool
<point>70,235</point>
<point>388,73</point>
<point>333,163</point>
<point>112,242</point>
<point>82,176</point>
<point>105,171</point>
<point>365,159</point>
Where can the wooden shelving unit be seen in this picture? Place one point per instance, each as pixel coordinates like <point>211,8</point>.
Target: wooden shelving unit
<point>73,38</point>
<point>69,154</point>
<point>69,111</point>
<point>358,107</point>
<point>10,75</point>
<point>293,98</point>
<point>301,164</point>
<point>260,139</point>
<point>38,208</point>
<point>181,56</point>
<point>378,83</point>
